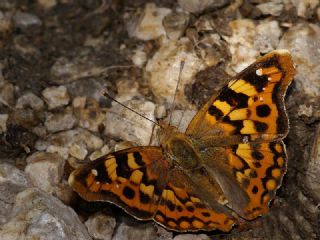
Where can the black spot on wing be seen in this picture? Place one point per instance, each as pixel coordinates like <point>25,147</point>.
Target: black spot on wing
<point>217,113</point>
<point>102,172</point>
<point>234,99</point>
<point>144,198</point>
<point>257,155</point>
<point>128,192</point>
<point>123,169</point>
<point>263,110</point>
<point>259,82</point>
<point>260,126</point>
<point>138,159</point>
<point>255,190</point>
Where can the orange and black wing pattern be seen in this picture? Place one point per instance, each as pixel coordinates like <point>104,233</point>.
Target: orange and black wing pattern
<point>133,179</point>
<point>258,168</point>
<point>184,207</point>
<point>250,105</point>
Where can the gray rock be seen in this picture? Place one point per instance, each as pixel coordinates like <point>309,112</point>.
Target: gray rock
<point>23,19</point>
<point>56,122</point>
<point>3,122</point>
<point>148,24</point>
<point>101,226</point>
<point>30,100</point>
<point>139,231</point>
<point>56,96</point>
<point>196,6</point>
<point>303,40</point>
<point>38,215</point>
<point>7,94</point>
<point>175,24</point>
<point>123,123</point>
<point>45,170</point>
<point>192,237</point>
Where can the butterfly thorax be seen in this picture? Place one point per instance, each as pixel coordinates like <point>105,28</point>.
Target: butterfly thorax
<point>178,147</point>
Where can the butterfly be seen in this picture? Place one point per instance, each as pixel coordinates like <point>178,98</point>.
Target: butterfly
<point>226,167</point>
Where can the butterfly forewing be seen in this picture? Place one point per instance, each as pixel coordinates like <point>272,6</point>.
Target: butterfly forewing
<point>250,105</point>
<point>133,179</point>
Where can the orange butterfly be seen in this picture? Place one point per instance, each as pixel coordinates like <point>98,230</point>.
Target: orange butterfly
<point>226,166</point>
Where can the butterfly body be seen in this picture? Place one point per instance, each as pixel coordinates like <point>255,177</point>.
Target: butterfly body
<point>227,166</point>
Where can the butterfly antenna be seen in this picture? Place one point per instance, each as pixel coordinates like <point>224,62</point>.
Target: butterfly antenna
<point>175,92</point>
<point>106,94</point>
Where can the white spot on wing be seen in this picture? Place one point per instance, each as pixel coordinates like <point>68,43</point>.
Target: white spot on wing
<point>94,172</point>
<point>259,72</point>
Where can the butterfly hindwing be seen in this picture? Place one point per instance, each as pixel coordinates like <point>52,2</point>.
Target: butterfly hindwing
<point>251,104</point>
<point>132,179</point>
<point>258,169</point>
<point>183,207</point>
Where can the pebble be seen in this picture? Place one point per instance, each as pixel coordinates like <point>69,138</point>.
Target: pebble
<point>303,41</point>
<point>101,226</point>
<point>30,100</point>
<point>175,24</point>
<point>305,8</point>
<point>266,39</point>
<point>7,92</point>
<point>63,140</point>
<point>9,173</point>
<point>196,6</point>
<point>141,231</point>
<point>44,217</point>
<point>148,25</point>
<point>91,117</point>
<point>56,122</point>
<point>78,150</point>
<point>127,125</point>
<point>3,122</point>
<point>139,57</point>
<point>99,153</point>
<point>56,96</point>
<point>47,4</point>
<point>49,170</point>
<point>24,20</point>
<point>66,70</point>
<point>164,67</point>
<point>241,44</point>
<point>274,7</point>
<point>191,237</point>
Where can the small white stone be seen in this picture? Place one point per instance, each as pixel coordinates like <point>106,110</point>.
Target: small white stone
<point>129,126</point>
<point>78,151</point>
<point>139,57</point>
<point>163,71</point>
<point>241,44</point>
<point>62,151</point>
<point>56,96</point>
<point>45,170</point>
<point>99,153</point>
<point>273,7</point>
<point>30,100</point>
<point>60,121</point>
<point>101,226</point>
<point>3,122</point>
<point>79,102</point>
<point>149,25</point>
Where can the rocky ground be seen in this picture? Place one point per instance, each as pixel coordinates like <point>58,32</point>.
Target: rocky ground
<point>57,56</point>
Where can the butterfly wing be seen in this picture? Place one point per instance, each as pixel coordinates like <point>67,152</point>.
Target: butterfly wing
<point>245,124</point>
<point>251,105</point>
<point>185,206</point>
<point>140,181</point>
<point>258,169</point>
<point>133,179</point>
